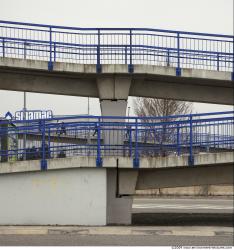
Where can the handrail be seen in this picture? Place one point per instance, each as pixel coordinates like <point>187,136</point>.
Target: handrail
<point>107,29</point>
<point>179,49</point>
<point>134,137</point>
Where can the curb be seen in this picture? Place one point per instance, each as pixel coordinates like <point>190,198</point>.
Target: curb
<point>121,230</point>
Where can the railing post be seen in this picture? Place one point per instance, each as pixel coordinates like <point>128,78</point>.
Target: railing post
<point>25,50</point>
<point>191,159</point>
<point>126,54</point>
<point>43,158</point>
<point>3,47</point>
<point>99,157</point>
<point>217,61</point>
<point>178,69</point>
<point>130,66</point>
<point>50,63</point>
<point>49,152</point>
<point>136,162</point>
<point>99,66</point>
<point>54,51</point>
<point>168,58</point>
<point>130,141</point>
<point>178,139</point>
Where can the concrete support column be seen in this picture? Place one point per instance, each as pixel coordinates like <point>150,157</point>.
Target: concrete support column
<point>119,208</point>
<point>113,94</point>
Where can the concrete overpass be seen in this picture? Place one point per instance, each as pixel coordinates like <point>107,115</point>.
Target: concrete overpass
<point>111,64</point>
<point>114,63</point>
<point>74,191</point>
<point>94,182</point>
<point>115,83</point>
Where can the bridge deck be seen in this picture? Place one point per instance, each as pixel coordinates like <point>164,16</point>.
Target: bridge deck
<point>204,159</point>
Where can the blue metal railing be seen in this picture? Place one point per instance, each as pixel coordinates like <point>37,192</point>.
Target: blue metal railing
<point>133,137</point>
<point>128,46</point>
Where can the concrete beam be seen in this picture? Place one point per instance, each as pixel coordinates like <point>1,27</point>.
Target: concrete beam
<point>186,176</point>
<point>47,83</point>
<point>113,88</point>
<point>147,81</point>
<point>184,90</point>
<point>211,159</point>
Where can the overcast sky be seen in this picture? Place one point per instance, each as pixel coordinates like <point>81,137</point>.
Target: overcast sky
<point>210,16</point>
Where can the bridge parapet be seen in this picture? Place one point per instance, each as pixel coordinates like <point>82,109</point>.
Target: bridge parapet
<point>129,46</point>
<point>135,138</point>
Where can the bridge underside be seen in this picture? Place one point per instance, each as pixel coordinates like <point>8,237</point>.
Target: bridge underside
<point>115,83</point>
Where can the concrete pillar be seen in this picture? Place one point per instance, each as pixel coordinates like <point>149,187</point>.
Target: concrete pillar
<point>113,94</point>
<point>119,208</point>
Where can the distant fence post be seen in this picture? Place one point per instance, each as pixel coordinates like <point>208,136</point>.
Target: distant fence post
<point>50,63</point>
<point>98,130</point>
<point>191,158</point>
<point>136,162</point>
<point>178,69</point>
<point>43,146</point>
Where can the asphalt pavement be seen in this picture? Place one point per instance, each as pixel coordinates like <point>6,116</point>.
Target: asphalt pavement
<point>113,240</point>
<point>190,211</point>
<point>183,205</point>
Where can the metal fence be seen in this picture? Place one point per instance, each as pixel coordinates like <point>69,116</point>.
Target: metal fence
<point>128,46</point>
<point>98,136</point>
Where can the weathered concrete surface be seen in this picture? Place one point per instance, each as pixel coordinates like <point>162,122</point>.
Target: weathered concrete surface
<point>64,197</point>
<point>119,209</point>
<point>205,190</point>
<point>185,176</point>
<point>147,81</point>
<point>113,88</point>
<point>123,162</point>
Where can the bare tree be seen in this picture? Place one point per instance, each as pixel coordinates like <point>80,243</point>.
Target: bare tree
<point>163,134</point>
<point>160,107</point>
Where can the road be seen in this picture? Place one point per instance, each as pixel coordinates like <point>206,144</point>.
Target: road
<point>114,240</point>
<point>183,211</point>
<point>182,205</point>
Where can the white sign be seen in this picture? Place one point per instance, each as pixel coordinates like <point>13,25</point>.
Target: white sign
<point>33,114</point>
